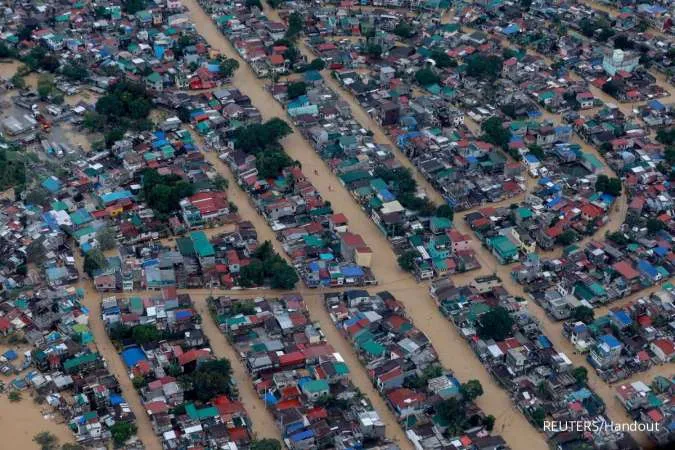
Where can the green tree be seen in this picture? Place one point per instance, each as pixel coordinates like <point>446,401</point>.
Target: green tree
<point>76,72</point>
<point>495,133</point>
<point>228,66</point>
<point>295,24</point>
<point>442,59</point>
<point>265,444</point>
<point>317,64</point>
<point>133,6</point>
<point>404,30</point>
<point>445,211</point>
<point>122,432</point>
<point>107,238</point>
<point>254,3</point>
<point>453,413</point>
<point>484,67</point>
<point>296,89</point>
<point>284,276</point>
<point>144,334</point>
<point>583,313</point>
<point>426,77</point>
<point>471,390</point>
<point>567,237</point>
<point>252,274</point>
<point>271,163</point>
<point>538,416</point>
<point>94,260</point>
<point>407,260</point>
<point>69,446</point>
<point>489,422</point>
<point>212,378</point>
<point>46,440</point>
<point>18,81</point>
<point>374,50</point>
<point>495,324</point>
<point>654,225</point>
<point>580,374</point>
<point>623,42</point>
<point>611,88</point>
<point>45,86</point>
<point>536,151</point>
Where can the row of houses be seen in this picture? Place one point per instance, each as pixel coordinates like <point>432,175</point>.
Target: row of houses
<point>541,380</point>
<point>403,366</point>
<point>593,275</point>
<point>62,367</point>
<point>628,339</point>
<point>303,381</point>
<point>651,405</point>
<point>168,357</point>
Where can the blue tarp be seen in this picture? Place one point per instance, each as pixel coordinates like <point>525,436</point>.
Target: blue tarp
<point>646,267</point>
<point>10,355</point>
<point>132,356</point>
<point>307,434</point>
<point>544,342</point>
<point>270,399</point>
<point>352,271</point>
<point>183,314</point>
<point>116,399</point>
<point>387,196</point>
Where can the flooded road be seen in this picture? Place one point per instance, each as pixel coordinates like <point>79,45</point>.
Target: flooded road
<point>24,419</point>
<point>453,351</point>
<point>92,300</point>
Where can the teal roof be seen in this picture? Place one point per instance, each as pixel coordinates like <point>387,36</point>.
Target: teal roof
<point>315,386</point>
<point>202,244</point>
<point>74,363</point>
<point>81,216</point>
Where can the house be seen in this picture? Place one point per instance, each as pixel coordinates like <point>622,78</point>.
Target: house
<point>606,352</point>
<point>354,249</point>
<point>502,247</point>
<point>664,349</point>
<point>154,82</point>
<point>406,402</point>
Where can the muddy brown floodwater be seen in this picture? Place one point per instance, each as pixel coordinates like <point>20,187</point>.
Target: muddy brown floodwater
<point>453,352</point>
<point>92,300</point>
<point>24,419</point>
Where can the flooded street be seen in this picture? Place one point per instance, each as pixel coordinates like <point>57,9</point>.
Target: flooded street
<point>454,353</point>
<point>92,300</point>
<point>22,420</point>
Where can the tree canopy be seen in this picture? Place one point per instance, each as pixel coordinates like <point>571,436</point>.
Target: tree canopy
<point>164,192</point>
<point>442,59</point>
<point>296,89</point>
<point>426,77</point>
<point>210,379</point>
<point>268,265</point>
<point>262,140</point>
<point>295,24</point>
<point>122,431</point>
<point>12,168</point>
<point>495,324</point>
<point>608,185</point>
<point>94,260</point>
<point>404,30</point>
<point>583,313</point>
<point>495,132</point>
<point>471,390</point>
<point>407,260</point>
<point>228,66</point>
<point>483,66</point>
<point>265,444</point>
